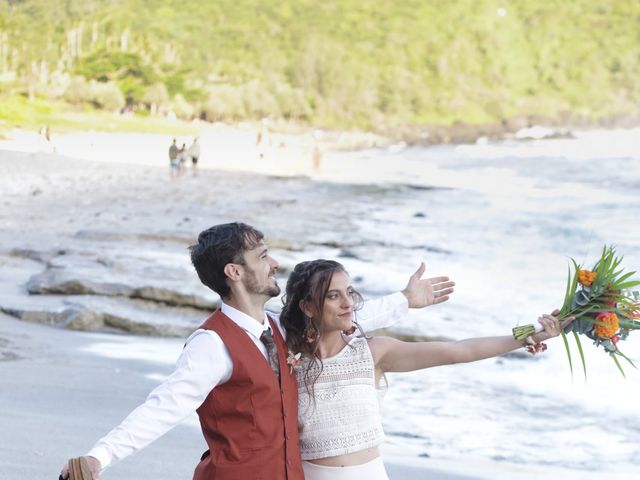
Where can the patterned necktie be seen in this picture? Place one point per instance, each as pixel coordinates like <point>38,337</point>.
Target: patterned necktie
<point>272,350</point>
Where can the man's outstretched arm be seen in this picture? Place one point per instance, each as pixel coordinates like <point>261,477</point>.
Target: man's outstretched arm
<point>424,292</point>
<point>419,293</point>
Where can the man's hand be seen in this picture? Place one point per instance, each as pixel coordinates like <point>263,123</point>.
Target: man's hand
<point>94,467</point>
<point>428,291</point>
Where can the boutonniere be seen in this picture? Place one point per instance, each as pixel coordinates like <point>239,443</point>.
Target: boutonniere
<point>293,360</point>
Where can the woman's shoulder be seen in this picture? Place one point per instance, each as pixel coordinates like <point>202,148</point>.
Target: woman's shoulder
<point>379,345</point>
<point>380,341</point>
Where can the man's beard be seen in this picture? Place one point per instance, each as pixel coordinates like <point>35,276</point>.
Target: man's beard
<point>266,290</point>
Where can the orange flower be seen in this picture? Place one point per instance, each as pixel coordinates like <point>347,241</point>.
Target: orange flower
<point>610,327</point>
<point>586,277</point>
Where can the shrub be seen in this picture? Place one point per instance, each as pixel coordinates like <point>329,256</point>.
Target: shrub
<point>224,102</point>
<point>182,108</point>
<point>107,96</point>
<point>156,97</point>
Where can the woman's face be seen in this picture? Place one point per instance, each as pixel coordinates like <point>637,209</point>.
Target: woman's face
<point>337,312</point>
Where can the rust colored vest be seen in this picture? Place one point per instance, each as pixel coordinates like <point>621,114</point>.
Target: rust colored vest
<point>250,423</point>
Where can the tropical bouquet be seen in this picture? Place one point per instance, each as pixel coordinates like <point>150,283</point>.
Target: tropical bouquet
<point>604,304</point>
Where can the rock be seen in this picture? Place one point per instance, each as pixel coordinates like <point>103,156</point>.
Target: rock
<point>33,316</point>
<point>281,244</point>
<point>30,254</point>
<point>141,328</point>
<point>8,356</point>
<point>516,123</point>
<point>424,188</point>
<point>442,251</point>
<point>348,254</point>
<point>333,244</point>
<point>102,236</point>
<point>170,297</point>
<point>73,318</point>
<point>58,281</point>
<point>81,319</point>
<point>84,319</point>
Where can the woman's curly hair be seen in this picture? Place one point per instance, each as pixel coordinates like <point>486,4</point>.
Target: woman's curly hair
<point>309,282</point>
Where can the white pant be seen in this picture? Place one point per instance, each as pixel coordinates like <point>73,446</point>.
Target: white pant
<point>373,470</point>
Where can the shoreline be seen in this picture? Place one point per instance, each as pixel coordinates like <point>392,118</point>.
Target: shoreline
<point>519,128</point>
<point>282,155</point>
<point>524,127</point>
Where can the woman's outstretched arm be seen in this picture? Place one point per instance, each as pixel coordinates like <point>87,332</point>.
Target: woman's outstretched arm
<point>391,355</point>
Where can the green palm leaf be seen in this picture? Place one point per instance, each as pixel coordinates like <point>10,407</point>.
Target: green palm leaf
<point>584,364</point>
<point>615,359</point>
<point>566,346</point>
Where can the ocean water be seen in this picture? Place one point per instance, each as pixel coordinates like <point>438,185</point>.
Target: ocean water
<point>502,222</point>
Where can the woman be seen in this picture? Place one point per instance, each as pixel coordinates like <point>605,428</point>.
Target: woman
<point>339,373</point>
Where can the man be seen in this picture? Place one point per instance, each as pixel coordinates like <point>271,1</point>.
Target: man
<point>233,370</point>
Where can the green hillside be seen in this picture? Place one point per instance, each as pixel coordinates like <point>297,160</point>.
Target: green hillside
<point>336,63</point>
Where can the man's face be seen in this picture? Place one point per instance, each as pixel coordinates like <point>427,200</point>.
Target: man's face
<point>260,272</point>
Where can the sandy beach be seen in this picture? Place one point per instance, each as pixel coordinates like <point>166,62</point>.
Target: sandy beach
<point>98,243</point>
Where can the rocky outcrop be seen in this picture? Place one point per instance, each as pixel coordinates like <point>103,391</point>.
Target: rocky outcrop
<point>58,282</point>
<point>103,235</point>
<point>170,297</point>
<point>72,318</point>
<point>36,255</point>
<point>54,281</point>
<point>78,318</point>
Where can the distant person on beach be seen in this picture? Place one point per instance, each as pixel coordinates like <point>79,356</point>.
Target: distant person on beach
<point>339,372</point>
<point>46,137</point>
<point>235,372</point>
<point>174,163</point>
<point>316,158</point>
<point>194,154</point>
<point>263,140</point>
<point>182,157</point>
<point>259,142</point>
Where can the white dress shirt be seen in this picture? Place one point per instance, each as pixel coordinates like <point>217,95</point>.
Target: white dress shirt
<point>205,363</point>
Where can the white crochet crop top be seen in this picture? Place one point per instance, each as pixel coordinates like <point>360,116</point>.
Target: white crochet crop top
<point>345,416</point>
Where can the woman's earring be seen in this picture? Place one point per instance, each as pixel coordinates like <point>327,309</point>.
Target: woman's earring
<point>310,333</point>
<point>350,331</point>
